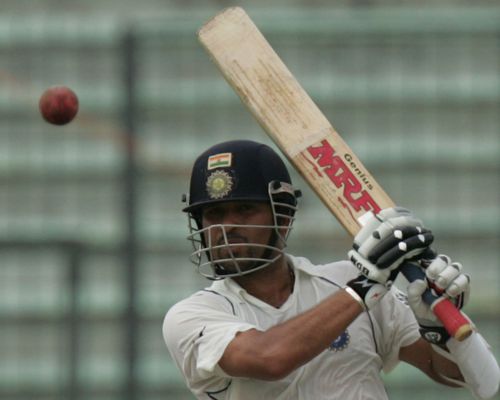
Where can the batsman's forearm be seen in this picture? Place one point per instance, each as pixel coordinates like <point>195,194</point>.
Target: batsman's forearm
<point>312,332</point>
<point>443,367</point>
<point>275,353</point>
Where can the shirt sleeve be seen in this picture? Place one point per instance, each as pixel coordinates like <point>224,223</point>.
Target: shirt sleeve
<point>397,326</point>
<point>197,332</point>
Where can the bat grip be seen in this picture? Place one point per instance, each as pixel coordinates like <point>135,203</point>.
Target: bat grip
<point>455,323</point>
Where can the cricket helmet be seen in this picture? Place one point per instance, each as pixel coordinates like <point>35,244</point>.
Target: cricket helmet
<point>239,170</point>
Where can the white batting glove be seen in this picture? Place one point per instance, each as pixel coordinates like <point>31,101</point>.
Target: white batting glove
<point>385,241</point>
<point>444,278</point>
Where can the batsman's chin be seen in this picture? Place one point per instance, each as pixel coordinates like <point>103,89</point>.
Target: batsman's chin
<point>236,265</point>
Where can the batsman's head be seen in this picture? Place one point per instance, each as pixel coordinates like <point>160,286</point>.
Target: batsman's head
<point>241,207</point>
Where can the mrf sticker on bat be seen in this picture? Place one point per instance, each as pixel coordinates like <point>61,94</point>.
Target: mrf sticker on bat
<point>345,174</point>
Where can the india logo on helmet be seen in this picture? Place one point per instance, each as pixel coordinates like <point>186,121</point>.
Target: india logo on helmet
<point>219,184</point>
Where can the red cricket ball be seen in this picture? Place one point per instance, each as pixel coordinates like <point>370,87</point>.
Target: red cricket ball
<point>58,105</point>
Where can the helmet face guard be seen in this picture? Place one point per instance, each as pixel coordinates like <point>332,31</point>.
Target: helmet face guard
<point>261,255</point>
<point>239,171</point>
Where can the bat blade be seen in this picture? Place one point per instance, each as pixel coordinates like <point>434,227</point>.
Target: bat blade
<point>291,118</point>
<point>299,128</point>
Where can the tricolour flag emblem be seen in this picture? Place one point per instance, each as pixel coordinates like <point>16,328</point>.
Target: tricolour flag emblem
<point>219,160</point>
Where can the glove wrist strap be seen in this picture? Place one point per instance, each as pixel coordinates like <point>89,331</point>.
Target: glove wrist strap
<point>369,292</point>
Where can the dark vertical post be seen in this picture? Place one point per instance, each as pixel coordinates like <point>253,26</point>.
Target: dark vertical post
<point>130,173</point>
<point>73,250</point>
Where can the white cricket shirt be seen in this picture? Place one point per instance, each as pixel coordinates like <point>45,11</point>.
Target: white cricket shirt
<point>198,329</point>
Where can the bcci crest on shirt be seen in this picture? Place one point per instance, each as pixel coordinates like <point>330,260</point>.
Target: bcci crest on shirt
<point>341,342</point>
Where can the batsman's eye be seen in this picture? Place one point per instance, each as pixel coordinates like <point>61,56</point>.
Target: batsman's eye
<point>246,208</point>
<point>214,213</point>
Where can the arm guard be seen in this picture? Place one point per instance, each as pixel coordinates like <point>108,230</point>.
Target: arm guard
<point>477,364</point>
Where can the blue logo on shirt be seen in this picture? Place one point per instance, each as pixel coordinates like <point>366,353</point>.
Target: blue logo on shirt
<point>341,342</point>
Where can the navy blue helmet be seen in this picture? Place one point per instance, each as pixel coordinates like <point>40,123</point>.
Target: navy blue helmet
<point>236,170</point>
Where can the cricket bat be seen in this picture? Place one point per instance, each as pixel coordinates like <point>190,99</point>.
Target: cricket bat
<point>302,132</point>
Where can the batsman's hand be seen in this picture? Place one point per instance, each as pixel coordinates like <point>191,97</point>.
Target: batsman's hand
<point>445,279</point>
<point>386,240</point>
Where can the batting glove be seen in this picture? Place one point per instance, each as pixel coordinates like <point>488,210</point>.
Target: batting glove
<point>384,242</point>
<point>446,280</point>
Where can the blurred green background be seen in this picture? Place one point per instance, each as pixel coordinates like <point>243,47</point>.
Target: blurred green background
<point>92,246</point>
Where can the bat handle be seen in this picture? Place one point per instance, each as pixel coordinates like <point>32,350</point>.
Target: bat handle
<point>455,323</point>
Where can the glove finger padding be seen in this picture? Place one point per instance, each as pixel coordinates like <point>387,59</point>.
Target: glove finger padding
<point>460,289</point>
<point>372,233</point>
<point>446,277</point>
<point>437,266</point>
<point>393,212</point>
<point>380,246</point>
<point>373,221</point>
<point>404,244</point>
<point>386,240</point>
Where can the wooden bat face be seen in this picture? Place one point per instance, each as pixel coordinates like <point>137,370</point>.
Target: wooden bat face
<point>290,117</point>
